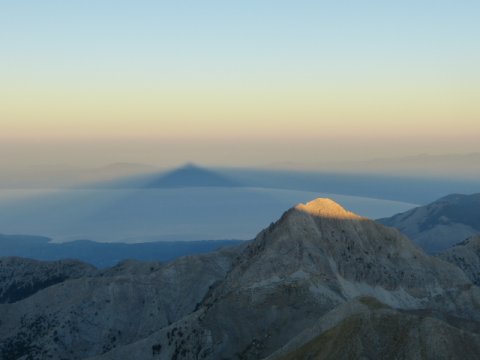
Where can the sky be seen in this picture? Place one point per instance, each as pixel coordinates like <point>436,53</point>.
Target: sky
<point>236,82</point>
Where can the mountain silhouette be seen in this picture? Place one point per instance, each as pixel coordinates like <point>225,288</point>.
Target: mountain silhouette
<point>191,175</point>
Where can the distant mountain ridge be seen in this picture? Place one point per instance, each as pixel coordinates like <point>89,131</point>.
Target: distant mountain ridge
<point>103,255</point>
<point>440,224</point>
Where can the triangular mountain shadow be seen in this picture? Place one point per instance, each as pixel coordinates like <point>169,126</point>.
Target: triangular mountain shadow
<point>191,175</point>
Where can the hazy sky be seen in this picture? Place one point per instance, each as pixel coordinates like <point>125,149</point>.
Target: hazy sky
<point>237,81</point>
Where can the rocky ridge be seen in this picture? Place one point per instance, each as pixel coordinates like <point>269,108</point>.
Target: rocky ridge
<point>91,315</point>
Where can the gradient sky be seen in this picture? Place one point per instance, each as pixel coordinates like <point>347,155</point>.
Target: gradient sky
<point>237,81</point>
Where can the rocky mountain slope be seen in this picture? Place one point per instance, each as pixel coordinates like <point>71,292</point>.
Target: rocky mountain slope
<point>371,330</point>
<point>466,255</point>
<point>90,315</point>
<point>319,270</point>
<point>21,278</point>
<point>441,224</point>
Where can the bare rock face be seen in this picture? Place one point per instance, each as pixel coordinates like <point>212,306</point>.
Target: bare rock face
<point>466,255</point>
<point>21,278</point>
<point>298,279</point>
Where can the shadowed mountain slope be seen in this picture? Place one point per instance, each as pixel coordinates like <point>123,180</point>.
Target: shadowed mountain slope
<point>374,331</point>
<point>21,278</point>
<point>441,224</point>
<point>87,316</point>
<point>465,255</point>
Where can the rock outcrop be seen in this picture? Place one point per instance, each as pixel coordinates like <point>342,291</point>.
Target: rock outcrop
<point>465,255</point>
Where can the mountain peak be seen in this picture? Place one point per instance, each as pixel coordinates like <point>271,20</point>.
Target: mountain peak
<point>328,208</point>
